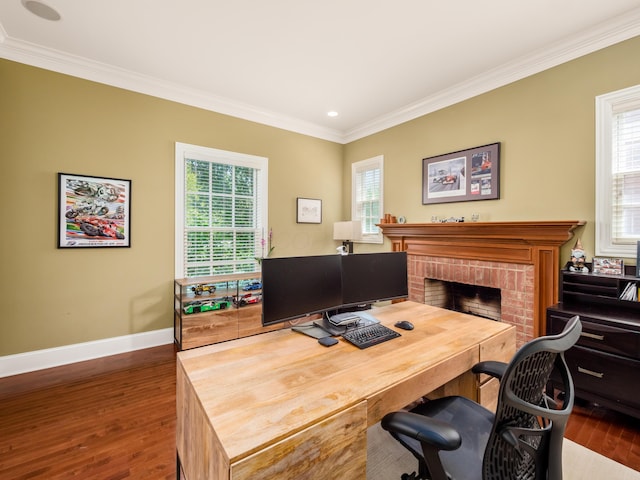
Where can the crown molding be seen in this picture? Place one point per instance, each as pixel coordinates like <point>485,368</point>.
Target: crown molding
<point>54,60</point>
<point>617,30</point>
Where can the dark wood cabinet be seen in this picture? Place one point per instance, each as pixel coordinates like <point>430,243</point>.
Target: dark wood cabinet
<point>605,363</point>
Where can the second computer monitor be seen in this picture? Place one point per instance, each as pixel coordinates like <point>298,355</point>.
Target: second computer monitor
<point>371,277</point>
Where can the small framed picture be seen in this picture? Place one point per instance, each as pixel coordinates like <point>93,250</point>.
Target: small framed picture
<point>608,266</point>
<point>308,210</point>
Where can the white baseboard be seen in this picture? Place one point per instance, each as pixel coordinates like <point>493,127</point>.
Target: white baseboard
<point>53,357</point>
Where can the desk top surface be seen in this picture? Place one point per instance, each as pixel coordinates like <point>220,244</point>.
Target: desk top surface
<point>258,389</point>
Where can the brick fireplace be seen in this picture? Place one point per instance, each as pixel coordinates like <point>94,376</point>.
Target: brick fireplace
<point>519,258</point>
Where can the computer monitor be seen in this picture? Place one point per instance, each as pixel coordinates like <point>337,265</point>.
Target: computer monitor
<point>294,287</point>
<point>372,277</point>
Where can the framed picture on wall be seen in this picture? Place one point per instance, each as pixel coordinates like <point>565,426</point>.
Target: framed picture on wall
<point>462,176</point>
<point>93,211</point>
<point>308,210</point>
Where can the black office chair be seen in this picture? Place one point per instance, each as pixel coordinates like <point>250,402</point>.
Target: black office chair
<point>456,438</point>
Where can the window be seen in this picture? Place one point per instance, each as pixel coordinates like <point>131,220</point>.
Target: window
<point>366,194</point>
<point>221,211</point>
<point>618,172</point>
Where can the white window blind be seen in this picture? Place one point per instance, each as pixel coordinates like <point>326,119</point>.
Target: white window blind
<point>220,211</point>
<point>625,217</point>
<point>618,173</point>
<point>367,197</point>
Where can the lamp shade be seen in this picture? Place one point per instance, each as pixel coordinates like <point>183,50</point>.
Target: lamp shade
<point>351,230</point>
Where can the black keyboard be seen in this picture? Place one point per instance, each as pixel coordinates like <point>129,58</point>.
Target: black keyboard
<point>363,337</point>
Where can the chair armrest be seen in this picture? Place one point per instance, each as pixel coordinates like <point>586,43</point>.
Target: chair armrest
<point>435,433</point>
<point>493,368</point>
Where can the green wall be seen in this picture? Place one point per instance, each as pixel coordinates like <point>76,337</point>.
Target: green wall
<point>546,126</point>
<point>53,123</point>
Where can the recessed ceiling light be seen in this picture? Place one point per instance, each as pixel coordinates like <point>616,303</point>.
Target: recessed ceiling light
<point>332,114</point>
<point>41,10</point>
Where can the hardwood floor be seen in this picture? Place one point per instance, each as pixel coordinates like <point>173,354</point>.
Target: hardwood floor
<point>114,418</point>
<point>105,419</point>
<point>612,434</point>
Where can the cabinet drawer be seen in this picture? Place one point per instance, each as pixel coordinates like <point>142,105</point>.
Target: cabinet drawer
<point>603,374</point>
<point>600,336</point>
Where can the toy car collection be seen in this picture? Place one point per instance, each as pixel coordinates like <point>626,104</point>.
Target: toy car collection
<point>223,302</point>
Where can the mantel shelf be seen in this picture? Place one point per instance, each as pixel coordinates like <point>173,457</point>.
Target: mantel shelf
<point>534,232</point>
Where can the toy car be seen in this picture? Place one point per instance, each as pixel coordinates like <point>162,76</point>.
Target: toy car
<point>206,306</point>
<point>247,299</point>
<point>255,285</point>
<point>201,288</point>
<point>193,307</point>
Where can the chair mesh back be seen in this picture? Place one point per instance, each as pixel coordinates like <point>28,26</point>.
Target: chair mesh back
<point>518,443</point>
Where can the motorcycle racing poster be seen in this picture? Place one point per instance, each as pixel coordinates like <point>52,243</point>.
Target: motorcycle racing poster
<point>93,211</point>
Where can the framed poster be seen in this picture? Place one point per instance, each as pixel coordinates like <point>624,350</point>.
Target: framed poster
<point>308,210</point>
<point>93,211</point>
<point>466,175</point>
<point>608,266</point>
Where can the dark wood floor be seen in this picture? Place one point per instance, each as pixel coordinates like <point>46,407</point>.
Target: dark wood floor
<point>114,418</point>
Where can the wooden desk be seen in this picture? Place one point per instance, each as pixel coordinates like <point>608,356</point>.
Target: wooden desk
<point>279,405</point>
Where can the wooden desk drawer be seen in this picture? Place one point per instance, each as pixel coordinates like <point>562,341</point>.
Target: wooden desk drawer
<point>600,336</point>
<point>604,374</point>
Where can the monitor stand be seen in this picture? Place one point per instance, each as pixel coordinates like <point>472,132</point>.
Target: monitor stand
<point>364,319</point>
<point>329,327</point>
<point>344,319</point>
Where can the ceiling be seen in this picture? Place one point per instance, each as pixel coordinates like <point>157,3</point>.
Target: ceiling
<point>286,63</point>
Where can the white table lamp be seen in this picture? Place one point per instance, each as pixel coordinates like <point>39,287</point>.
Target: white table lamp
<point>347,232</point>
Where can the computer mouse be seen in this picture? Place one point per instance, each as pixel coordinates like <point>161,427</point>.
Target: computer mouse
<point>405,325</point>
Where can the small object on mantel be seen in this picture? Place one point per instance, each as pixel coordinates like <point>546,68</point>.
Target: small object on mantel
<point>388,218</point>
<point>578,258</point>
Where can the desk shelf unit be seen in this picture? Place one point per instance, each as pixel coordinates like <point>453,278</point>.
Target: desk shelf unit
<point>598,290</point>
<point>605,362</point>
<point>217,308</point>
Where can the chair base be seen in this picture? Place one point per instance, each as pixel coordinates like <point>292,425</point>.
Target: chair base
<point>412,476</point>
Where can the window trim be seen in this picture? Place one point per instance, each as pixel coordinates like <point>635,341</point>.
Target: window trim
<point>184,151</point>
<point>605,107</point>
<point>377,161</point>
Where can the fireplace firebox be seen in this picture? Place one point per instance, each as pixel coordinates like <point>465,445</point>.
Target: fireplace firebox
<point>462,297</point>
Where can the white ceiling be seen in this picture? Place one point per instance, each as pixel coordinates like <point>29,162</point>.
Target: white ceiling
<point>286,63</point>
